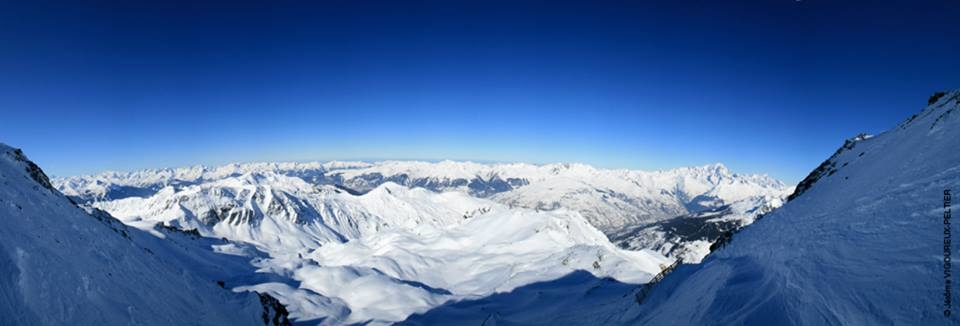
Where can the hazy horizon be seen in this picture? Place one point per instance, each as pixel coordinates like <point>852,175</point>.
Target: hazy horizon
<point>412,160</point>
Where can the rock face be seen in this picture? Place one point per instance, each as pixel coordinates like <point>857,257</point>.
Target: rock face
<point>274,313</point>
<point>32,169</point>
<point>828,167</point>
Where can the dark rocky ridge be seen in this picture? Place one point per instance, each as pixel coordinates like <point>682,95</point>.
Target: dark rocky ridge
<point>32,169</point>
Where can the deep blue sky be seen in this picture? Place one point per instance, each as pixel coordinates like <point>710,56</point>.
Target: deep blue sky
<point>765,86</point>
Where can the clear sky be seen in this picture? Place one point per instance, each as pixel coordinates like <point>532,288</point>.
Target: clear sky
<point>764,86</point>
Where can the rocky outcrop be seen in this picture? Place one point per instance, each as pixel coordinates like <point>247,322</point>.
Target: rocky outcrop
<point>274,313</point>
<point>477,186</point>
<point>828,167</point>
<point>33,170</point>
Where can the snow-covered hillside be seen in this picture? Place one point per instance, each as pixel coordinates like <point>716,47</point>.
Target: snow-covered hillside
<point>863,242</point>
<point>389,275</point>
<point>284,214</point>
<point>60,265</point>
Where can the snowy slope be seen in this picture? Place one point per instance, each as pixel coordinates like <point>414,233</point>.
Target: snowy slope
<point>862,243</point>
<point>59,265</point>
<point>386,276</point>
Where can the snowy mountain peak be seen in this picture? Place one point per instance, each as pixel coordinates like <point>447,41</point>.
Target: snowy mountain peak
<point>610,199</point>
<point>716,169</point>
<point>719,169</point>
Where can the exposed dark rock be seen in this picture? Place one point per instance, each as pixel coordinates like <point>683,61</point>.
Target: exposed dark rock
<point>825,169</point>
<point>477,186</point>
<point>112,222</point>
<point>210,217</point>
<point>190,232</point>
<point>274,313</point>
<point>483,188</point>
<point>32,169</point>
<point>645,289</point>
<point>348,189</point>
<point>935,97</point>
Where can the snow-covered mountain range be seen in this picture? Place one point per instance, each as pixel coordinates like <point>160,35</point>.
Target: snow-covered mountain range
<point>352,242</point>
<point>624,204</point>
<point>609,199</point>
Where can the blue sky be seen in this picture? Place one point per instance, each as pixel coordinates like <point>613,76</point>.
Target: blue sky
<point>766,86</point>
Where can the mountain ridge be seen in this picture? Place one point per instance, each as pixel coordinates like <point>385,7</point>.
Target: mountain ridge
<point>675,188</point>
<point>615,201</point>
